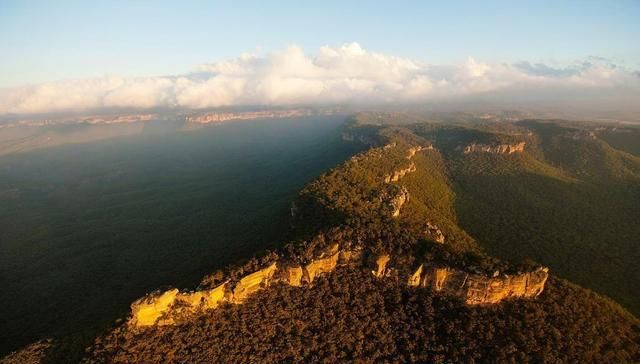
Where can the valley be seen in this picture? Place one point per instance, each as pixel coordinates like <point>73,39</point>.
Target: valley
<point>87,228</point>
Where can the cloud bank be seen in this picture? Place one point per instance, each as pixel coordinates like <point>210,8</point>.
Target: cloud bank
<point>333,75</point>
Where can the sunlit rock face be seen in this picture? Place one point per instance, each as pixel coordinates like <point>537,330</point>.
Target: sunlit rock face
<point>253,283</point>
<point>155,308</point>
<point>395,176</point>
<point>412,151</point>
<point>396,199</point>
<point>213,297</point>
<point>319,266</point>
<point>495,148</point>
<point>293,276</point>
<point>148,310</point>
<point>381,265</point>
<point>166,308</point>
<point>479,289</point>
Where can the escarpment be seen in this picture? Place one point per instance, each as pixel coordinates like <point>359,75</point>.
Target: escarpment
<point>172,307</point>
<point>493,148</point>
<point>252,283</point>
<point>479,289</point>
<point>411,152</point>
<point>396,175</point>
<point>167,308</point>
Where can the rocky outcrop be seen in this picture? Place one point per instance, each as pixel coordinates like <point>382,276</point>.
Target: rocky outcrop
<point>395,176</point>
<point>477,289</point>
<point>153,308</point>
<point>493,148</point>
<point>166,308</point>
<point>434,233</point>
<point>350,255</point>
<point>398,200</point>
<point>413,150</point>
<point>381,266</point>
<point>253,283</point>
<point>415,279</point>
<point>293,276</point>
<point>148,310</point>
<point>320,266</point>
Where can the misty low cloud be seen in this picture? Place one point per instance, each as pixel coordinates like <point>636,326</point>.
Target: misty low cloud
<point>346,74</point>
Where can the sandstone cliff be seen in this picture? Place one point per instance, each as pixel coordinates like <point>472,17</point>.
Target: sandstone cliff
<point>493,148</point>
<point>381,265</point>
<point>252,283</point>
<point>395,176</point>
<point>163,308</point>
<point>166,308</point>
<point>478,289</point>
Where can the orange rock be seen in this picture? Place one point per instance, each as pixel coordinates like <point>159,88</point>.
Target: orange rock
<point>293,276</point>
<point>320,266</point>
<point>148,310</point>
<point>213,297</point>
<point>252,283</point>
<point>381,265</point>
<point>415,278</point>
<point>479,289</point>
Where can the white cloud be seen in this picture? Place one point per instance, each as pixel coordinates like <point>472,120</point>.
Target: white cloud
<point>346,74</point>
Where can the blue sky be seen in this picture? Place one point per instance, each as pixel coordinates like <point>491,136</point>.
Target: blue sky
<point>51,40</point>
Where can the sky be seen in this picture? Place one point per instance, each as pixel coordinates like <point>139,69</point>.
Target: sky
<point>96,47</point>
